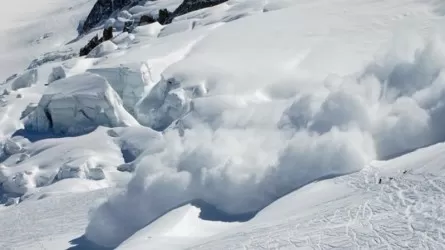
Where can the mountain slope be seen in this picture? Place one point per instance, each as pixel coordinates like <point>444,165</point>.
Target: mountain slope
<point>248,124</point>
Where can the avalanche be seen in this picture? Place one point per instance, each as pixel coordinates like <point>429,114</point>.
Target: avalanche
<point>237,124</point>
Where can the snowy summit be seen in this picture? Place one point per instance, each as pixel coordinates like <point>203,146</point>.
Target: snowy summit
<point>222,124</point>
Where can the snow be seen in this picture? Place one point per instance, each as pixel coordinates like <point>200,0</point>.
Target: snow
<point>38,164</point>
<point>78,105</point>
<point>25,80</point>
<point>129,81</point>
<point>57,74</point>
<point>33,28</point>
<point>180,227</point>
<point>103,49</point>
<point>250,124</point>
<point>354,211</point>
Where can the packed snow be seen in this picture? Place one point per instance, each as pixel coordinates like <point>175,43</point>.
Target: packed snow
<point>250,124</point>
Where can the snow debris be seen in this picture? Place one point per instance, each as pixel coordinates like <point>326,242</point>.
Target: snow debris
<point>165,103</point>
<point>57,74</point>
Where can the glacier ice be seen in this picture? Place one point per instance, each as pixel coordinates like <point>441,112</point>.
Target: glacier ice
<point>128,80</point>
<point>25,80</point>
<point>77,105</point>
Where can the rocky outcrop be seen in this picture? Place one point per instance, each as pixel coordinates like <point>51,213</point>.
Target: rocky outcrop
<point>164,16</point>
<point>90,46</point>
<point>102,10</point>
<point>107,33</point>
<point>146,20</point>
<point>192,5</point>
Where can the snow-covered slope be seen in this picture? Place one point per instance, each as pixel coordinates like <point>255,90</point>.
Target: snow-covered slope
<point>349,212</point>
<point>249,124</point>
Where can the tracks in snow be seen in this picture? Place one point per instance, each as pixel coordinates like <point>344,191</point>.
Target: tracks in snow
<point>406,212</point>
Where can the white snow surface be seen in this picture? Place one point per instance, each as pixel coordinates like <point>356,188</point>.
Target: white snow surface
<point>253,124</point>
<point>77,105</point>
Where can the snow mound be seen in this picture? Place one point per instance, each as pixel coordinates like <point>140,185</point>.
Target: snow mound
<point>78,105</point>
<point>103,49</point>
<point>177,27</point>
<point>56,74</point>
<point>129,81</point>
<point>135,141</point>
<point>150,30</point>
<point>25,80</point>
<point>32,166</point>
<point>123,40</point>
<point>165,103</point>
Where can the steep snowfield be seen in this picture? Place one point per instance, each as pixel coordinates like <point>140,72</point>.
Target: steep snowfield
<point>250,124</point>
<point>32,28</point>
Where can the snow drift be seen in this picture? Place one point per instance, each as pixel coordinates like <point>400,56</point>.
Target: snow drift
<point>77,105</point>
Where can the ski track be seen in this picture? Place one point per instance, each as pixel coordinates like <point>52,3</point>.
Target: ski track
<point>402,213</point>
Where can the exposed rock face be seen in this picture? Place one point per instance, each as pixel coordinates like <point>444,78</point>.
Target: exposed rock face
<point>107,33</point>
<point>102,10</point>
<point>146,20</point>
<point>192,5</point>
<point>164,16</point>
<point>78,105</point>
<point>90,46</point>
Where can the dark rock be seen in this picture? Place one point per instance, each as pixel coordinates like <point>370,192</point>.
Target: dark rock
<point>164,16</point>
<point>90,46</point>
<point>128,27</point>
<point>108,33</point>
<point>146,20</point>
<point>102,10</point>
<point>192,5</point>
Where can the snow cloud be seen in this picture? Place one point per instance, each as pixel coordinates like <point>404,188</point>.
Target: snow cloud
<point>242,156</point>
